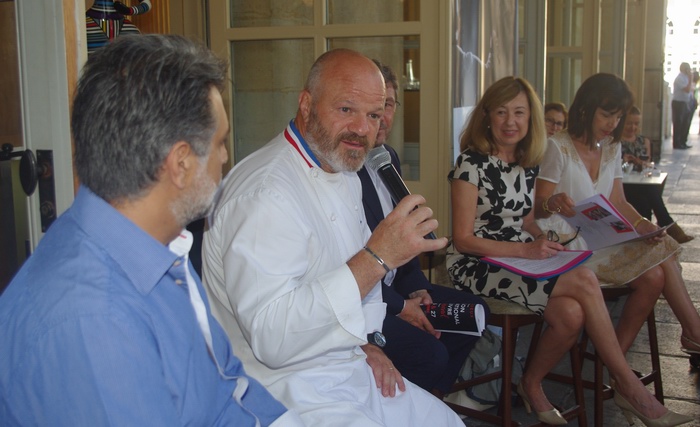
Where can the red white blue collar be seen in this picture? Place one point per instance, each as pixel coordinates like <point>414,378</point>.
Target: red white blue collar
<point>291,133</point>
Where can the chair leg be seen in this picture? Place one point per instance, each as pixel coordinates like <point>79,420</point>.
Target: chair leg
<point>576,366</point>
<point>654,353</point>
<point>508,352</point>
<point>598,391</point>
<point>536,333</point>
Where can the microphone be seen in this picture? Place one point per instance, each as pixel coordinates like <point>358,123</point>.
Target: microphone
<point>379,161</point>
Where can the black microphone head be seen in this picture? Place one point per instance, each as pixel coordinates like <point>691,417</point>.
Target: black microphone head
<point>378,157</point>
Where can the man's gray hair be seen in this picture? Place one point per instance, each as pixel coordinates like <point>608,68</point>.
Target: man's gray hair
<point>137,97</point>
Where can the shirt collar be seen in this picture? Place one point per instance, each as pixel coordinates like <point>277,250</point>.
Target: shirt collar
<point>142,258</point>
<point>294,137</point>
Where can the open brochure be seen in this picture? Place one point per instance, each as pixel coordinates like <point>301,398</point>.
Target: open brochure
<point>541,269</point>
<point>459,318</point>
<point>601,225</point>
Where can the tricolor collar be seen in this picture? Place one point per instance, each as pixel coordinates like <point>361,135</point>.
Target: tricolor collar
<point>291,133</point>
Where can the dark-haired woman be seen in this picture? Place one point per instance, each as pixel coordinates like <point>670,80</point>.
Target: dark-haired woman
<point>586,160</point>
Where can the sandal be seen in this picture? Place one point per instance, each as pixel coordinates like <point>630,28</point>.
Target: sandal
<point>690,351</point>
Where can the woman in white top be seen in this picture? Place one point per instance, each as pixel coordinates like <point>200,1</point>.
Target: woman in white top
<point>585,159</point>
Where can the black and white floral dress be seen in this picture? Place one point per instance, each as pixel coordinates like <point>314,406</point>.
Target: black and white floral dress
<point>637,148</point>
<point>505,197</point>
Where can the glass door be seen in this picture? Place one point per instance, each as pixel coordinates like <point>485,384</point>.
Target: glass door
<point>272,45</point>
<point>38,64</point>
<point>14,225</point>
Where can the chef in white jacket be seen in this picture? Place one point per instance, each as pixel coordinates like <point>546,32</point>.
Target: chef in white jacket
<point>292,270</point>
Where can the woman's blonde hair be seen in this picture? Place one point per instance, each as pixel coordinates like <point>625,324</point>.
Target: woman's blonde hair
<point>478,137</point>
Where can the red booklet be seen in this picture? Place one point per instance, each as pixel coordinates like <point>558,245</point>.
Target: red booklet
<point>541,269</point>
<point>459,318</point>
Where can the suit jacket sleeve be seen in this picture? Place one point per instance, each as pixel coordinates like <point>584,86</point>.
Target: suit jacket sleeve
<point>393,300</point>
<point>409,277</point>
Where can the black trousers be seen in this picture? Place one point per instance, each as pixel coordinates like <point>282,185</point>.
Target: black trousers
<point>647,199</point>
<point>681,123</point>
<point>420,357</point>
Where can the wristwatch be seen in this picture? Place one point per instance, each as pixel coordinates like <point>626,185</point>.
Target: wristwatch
<point>377,338</point>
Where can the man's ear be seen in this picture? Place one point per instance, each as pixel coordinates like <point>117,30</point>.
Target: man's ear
<point>305,102</point>
<point>179,164</point>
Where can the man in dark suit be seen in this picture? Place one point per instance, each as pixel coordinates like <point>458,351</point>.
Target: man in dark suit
<point>428,358</point>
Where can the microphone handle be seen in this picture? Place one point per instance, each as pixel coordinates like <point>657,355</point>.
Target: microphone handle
<point>397,188</point>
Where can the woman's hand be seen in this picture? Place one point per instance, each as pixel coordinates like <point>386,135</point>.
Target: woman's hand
<point>541,249</point>
<point>562,204</point>
<point>635,160</point>
<point>645,227</point>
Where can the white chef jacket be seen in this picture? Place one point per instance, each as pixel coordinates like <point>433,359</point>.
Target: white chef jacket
<point>275,271</point>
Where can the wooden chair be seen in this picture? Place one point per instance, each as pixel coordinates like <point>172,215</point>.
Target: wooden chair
<point>603,391</point>
<point>511,317</point>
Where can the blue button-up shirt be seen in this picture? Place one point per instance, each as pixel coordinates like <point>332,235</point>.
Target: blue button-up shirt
<point>94,330</point>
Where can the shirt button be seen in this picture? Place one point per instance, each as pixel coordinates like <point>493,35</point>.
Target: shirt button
<point>178,282</point>
<point>177,263</point>
<point>332,217</point>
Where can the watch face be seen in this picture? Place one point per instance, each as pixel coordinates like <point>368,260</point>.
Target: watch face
<point>378,339</point>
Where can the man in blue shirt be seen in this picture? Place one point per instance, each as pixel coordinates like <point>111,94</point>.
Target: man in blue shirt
<point>105,324</point>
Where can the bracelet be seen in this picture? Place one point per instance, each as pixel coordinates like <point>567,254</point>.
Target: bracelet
<point>639,220</point>
<point>545,207</point>
<point>379,260</point>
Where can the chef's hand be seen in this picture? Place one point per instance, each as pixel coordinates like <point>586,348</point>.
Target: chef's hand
<point>386,376</point>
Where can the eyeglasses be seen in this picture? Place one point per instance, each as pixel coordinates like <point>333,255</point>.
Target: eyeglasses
<point>554,123</point>
<point>552,236</point>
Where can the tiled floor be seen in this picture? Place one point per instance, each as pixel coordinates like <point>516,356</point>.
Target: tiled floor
<point>681,383</point>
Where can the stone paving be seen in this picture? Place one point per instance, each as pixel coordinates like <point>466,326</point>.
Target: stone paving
<point>681,383</point>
